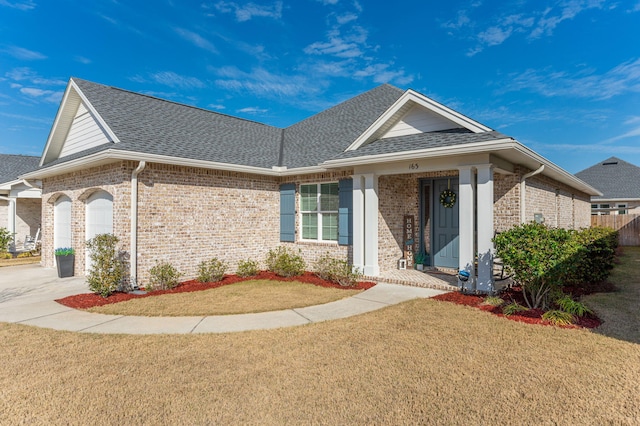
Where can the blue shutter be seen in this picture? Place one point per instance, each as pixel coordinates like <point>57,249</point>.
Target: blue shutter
<point>345,212</point>
<point>288,212</point>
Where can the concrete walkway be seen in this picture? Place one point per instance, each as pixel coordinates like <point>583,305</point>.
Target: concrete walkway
<point>27,295</point>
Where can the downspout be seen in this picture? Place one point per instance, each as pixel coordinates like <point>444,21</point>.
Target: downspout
<point>523,188</point>
<point>12,219</point>
<point>133,273</point>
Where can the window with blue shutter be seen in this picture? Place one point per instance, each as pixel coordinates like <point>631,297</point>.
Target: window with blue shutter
<point>345,212</point>
<point>288,212</point>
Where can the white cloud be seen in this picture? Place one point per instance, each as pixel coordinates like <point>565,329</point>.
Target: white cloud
<point>216,106</point>
<point>260,82</point>
<point>622,79</point>
<point>46,95</point>
<point>326,2</point>
<point>381,73</point>
<point>535,23</point>
<point>24,54</point>
<point>252,110</point>
<point>196,39</point>
<point>82,60</point>
<point>27,74</point>
<point>172,79</point>
<point>20,5</point>
<point>248,11</point>
<point>633,133</point>
<point>570,9</point>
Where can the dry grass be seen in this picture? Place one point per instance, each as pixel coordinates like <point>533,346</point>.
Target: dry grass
<point>19,261</point>
<point>620,310</point>
<point>239,298</point>
<point>420,362</point>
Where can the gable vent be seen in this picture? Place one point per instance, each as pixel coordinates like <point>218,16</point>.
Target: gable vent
<point>610,163</point>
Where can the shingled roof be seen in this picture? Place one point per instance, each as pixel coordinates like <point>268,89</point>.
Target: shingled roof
<point>155,126</point>
<point>615,178</point>
<point>12,166</point>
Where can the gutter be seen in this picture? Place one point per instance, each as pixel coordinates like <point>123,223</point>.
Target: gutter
<point>523,189</point>
<point>133,258</point>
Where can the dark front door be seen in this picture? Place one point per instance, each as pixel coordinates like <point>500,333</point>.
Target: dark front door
<point>446,225</point>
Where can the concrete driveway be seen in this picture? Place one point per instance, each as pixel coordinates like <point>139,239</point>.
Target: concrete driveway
<point>28,293</point>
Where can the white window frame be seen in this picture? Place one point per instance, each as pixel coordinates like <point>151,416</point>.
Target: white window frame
<point>320,212</point>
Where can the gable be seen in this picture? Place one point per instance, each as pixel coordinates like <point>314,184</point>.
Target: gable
<point>419,120</point>
<point>85,132</point>
<point>415,113</point>
<point>69,114</point>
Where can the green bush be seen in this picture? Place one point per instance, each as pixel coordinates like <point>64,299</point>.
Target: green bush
<point>284,262</point>
<point>247,268</point>
<point>107,270</point>
<point>5,255</point>
<point>539,257</point>
<point>64,251</point>
<point>163,276</point>
<point>5,239</point>
<point>337,271</point>
<point>210,271</point>
<point>557,317</point>
<point>596,256</point>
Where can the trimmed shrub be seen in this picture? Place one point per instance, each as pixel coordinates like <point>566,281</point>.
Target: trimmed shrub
<point>538,257</point>
<point>5,240</point>
<point>107,270</point>
<point>247,268</point>
<point>284,262</point>
<point>5,255</point>
<point>210,271</point>
<point>163,276</point>
<point>596,256</point>
<point>337,271</point>
<point>25,254</point>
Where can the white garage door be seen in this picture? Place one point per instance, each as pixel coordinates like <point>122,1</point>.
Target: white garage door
<point>62,222</point>
<point>99,216</point>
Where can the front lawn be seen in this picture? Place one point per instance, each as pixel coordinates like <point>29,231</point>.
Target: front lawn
<point>238,298</point>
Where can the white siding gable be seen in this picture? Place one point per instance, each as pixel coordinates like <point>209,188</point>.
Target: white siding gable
<point>419,120</point>
<point>85,132</point>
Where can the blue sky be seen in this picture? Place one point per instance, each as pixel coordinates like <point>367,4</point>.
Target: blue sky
<point>562,77</point>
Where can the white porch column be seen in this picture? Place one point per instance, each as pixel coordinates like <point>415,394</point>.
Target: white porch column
<point>358,222</point>
<point>467,237</point>
<point>371,267</point>
<point>485,228</point>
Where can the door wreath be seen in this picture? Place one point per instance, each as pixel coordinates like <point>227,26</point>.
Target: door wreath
<point>448,198</point>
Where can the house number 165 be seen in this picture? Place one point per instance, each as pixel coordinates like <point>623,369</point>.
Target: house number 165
<point>414,166</point>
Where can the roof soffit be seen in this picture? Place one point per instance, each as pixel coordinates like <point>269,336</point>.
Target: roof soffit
<point>71,101</point>
<point>405,104</point>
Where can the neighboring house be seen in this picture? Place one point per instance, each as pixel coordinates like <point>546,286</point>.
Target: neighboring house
<point>619,183</point>
<point>181,184</point>
<point>20,202</point>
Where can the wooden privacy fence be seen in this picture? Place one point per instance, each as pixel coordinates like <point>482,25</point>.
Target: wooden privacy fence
<point>627,225</point>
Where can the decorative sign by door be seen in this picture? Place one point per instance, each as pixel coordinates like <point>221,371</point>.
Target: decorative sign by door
<point>409,241</point>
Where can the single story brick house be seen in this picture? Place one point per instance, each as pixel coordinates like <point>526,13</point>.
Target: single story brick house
<point>372,180</point>
<point>20,202</point>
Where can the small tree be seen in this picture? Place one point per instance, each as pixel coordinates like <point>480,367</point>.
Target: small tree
<point>107,270</point>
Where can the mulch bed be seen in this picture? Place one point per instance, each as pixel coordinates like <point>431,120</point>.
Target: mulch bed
<point>531,316</point>
<point>89,300</point>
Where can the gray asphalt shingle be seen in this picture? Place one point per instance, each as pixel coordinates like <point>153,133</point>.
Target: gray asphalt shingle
<point>145,124</point>
<point>614,177</point>
<point>12,166</point>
